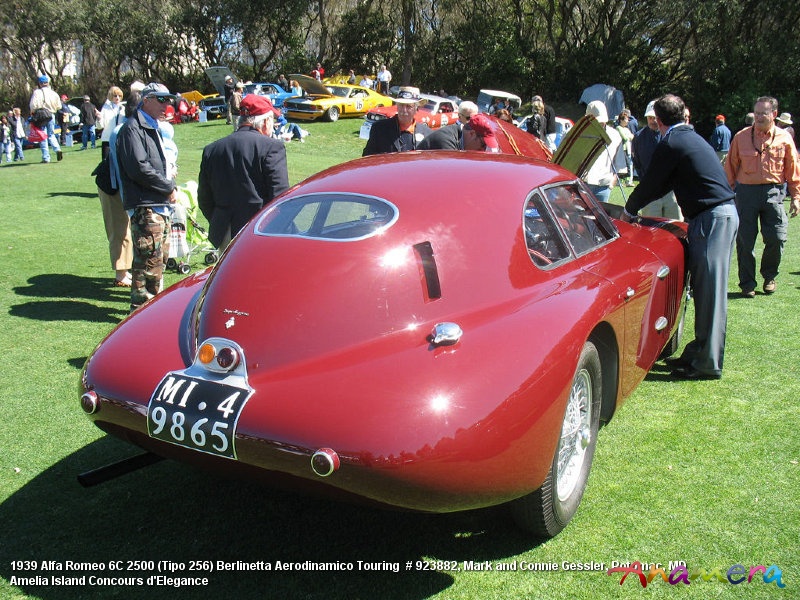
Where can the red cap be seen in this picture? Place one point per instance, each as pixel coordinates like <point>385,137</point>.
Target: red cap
<point>481,125</point>
<point>253,105</point>
<point>63,97</point>
<point>720,117</point>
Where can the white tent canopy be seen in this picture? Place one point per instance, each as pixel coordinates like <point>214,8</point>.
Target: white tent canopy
<point>608,95</point>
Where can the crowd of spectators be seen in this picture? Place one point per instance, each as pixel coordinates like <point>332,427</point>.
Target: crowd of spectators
<point>50,121</point>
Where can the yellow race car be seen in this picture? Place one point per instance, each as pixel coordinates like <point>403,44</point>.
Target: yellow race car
<point>331,101</point>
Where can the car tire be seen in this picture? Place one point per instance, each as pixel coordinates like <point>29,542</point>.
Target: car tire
<point>332,114</point>
<point>547,511</point>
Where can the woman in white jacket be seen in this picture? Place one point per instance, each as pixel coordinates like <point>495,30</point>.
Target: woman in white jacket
<point>117,223</point>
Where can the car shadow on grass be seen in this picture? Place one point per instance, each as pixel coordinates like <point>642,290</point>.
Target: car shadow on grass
<point>66,285</point>
<point>71,194</point>
<point>172,512</point>
<point>79,299</point>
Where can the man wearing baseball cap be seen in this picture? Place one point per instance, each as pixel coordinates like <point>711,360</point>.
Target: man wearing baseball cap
<point>44,101</point>
<point>720,138</point>
<point>242,172</point>
<point>401,132</point>
<point>479,134</point>
<point>147,191</point>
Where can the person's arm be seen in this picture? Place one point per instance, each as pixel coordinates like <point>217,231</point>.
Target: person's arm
<point>276,171</point>
<point>791,174</point>
<point>733,163</point>
<point>656,183</point>
<point>205,191</point>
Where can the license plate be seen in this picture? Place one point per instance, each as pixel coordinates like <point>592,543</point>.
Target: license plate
<point>196,413</point>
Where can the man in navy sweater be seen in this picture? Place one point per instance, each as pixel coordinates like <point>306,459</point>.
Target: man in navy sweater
<point>686,164</point>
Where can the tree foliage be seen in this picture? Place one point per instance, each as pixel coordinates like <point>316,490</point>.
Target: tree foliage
<point>718,54</point>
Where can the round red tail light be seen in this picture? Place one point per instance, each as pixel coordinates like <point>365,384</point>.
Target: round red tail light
<point>227,358</point>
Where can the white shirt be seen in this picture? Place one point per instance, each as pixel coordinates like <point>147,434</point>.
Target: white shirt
<point>601,172</point>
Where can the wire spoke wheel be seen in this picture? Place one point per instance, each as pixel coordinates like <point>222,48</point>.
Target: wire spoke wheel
<point>575,435</point>
<point>546,511</point>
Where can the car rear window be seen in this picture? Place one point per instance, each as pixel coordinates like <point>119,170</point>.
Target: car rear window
<point>340,217</point>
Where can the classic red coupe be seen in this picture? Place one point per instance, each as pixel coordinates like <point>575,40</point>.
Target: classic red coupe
<point>386,332</point>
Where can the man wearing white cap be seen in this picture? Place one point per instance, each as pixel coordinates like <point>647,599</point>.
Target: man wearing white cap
<point>147,191</point>
<point>400,133</point>
<point>784,121</point>
<point>643,146</point>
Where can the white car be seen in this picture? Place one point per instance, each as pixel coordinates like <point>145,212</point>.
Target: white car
<point>486,98</point>
<point>563,125</point>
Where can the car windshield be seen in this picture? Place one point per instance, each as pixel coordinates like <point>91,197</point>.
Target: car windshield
<point>336,90</point>
<point>341,217</point>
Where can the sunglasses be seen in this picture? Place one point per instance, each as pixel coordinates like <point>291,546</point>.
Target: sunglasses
<point>161,99</point>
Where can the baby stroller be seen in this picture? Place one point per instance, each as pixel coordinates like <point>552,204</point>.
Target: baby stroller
<point>186,235</point>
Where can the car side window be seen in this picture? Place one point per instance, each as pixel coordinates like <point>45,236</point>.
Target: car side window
<point>544,242</point>
<point>577,217</point>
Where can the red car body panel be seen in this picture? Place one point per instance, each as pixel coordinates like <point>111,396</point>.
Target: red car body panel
<point>336,335</point>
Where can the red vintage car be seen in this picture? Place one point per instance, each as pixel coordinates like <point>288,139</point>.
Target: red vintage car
<point>388,335</point>
<point>436,112</point>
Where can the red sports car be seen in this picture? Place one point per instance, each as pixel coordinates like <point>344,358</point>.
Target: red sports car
<point>388,334</point>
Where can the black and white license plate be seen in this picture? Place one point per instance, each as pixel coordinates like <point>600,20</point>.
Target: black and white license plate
<point>196,413</point>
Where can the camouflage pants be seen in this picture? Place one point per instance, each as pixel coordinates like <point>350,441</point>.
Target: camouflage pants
<point>150,233</point>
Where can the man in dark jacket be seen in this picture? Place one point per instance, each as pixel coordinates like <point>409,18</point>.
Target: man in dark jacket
<point>400,133</point>
<point>242,172</point>
<point>89,114</point>
<point>685,163</point>
<point>147,191</point>
<point>450,137</point>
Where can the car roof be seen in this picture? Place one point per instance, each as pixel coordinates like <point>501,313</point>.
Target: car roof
<point>501,94</point>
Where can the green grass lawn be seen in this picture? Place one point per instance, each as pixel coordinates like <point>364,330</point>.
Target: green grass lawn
<point>701,472</point>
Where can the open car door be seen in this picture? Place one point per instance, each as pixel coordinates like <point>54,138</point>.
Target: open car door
<point>581,146</point>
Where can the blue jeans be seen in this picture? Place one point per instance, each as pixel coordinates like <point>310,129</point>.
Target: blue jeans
<point>18,153</point>
<point>89,132</point>
<point>51,140</point>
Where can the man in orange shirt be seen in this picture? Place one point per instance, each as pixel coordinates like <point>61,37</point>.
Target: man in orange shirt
<point>400,133</point>
<point>762,159</point>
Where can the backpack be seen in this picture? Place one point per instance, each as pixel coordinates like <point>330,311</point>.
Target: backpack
<point>41,117</point>
<point>102,176</point>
